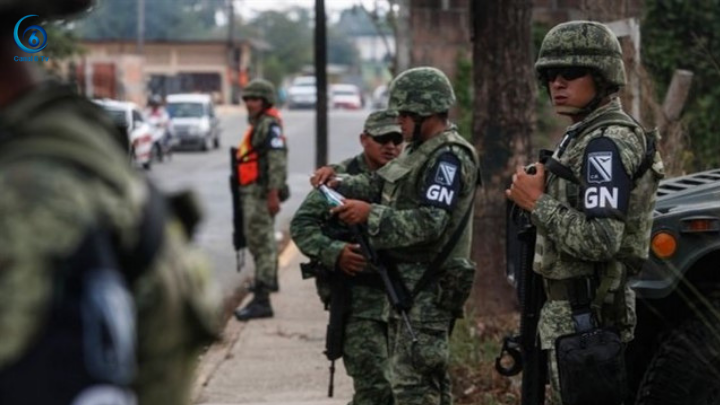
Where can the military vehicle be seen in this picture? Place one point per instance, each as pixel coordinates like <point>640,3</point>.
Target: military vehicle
<point>675,357</point>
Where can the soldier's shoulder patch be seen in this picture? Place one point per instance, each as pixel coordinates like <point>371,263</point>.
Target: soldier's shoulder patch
<point>599,168</point>
<point>276,136</point>
<point>443,181</point>
<point>608,187</point>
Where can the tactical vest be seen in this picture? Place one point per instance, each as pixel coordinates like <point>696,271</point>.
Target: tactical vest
<point>251,158</point>
<point>402,178</point>
<point>565,183</point>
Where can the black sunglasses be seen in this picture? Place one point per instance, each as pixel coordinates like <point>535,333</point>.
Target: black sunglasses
<point>396,139</point>
<point>567,73</point>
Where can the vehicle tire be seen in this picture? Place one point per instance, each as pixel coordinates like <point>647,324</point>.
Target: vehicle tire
<point>216,142</point>
<point>205,145</point>
<point>686,367</point>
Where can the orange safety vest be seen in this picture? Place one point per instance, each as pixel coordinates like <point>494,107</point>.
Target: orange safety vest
<point>247,157</point>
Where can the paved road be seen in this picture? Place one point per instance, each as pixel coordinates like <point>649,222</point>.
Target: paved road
<point>207,174</point>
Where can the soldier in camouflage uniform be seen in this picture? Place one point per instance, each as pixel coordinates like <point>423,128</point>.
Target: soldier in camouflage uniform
<point>325,240</point>
<point>594,219</point>
<point>102,301</point>
<point>426,197</point>
<point>262,159</point>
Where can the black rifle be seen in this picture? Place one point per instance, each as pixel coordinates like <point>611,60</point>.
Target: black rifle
<point>339,310</point>
<point>397,295</point>
<point>239,241</point>
<point>524,349</point>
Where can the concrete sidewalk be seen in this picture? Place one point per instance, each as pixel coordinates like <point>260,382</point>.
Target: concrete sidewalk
<point>276,361</point>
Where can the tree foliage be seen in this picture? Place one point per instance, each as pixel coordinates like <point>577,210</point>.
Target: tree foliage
<point>684,35</point>
<point>164,19</point>
<point>290,34</point>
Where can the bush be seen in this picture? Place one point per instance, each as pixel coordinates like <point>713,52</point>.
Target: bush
<point>683,35</point>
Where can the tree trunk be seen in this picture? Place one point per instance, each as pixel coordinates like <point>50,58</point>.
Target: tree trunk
<point>503,123</point>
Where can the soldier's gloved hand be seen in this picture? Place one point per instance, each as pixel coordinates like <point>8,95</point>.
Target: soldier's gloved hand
<point>273,202</point>
<point>322,175</point>
<point>351,260</point>
<point>352,212</point>
<point>527,188</point>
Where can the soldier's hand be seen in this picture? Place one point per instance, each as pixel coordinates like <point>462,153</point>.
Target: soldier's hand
<point>322,175</point>
<point>350,260</point>
<point>273,202</point>
<point>352,212</point>
<point>526,188</point>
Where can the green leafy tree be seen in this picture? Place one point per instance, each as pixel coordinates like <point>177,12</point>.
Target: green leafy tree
<point>290,35</point>
<point>164,19</point>
<point>684,35</point>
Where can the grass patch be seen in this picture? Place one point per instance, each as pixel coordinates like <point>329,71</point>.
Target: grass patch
<point>474,345</point>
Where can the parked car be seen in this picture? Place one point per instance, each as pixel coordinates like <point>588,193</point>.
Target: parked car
<point>194,122</point>
<point>140,135</point>
<point>302,93</point>
<point>347,96</point>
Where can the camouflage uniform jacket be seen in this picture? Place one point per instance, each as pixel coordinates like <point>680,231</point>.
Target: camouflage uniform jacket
<point>62,175</point>
<point>424,194</point>
<point>311,228</point>
<point>269,140</point>
<point>599,227</point>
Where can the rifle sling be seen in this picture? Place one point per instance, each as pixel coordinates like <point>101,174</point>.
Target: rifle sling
<point>434,270</point>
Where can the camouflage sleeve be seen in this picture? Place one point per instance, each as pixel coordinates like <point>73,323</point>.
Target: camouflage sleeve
<point>596,239</point>
<point>41,218</point>
<point>449,177</point>
<point>306,230</point>
<point>596,232</point>
<point>270,140</point>
<point>365,186</point>
<point>341,168</point>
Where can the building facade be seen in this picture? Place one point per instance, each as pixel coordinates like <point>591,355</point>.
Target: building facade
<point>215,67</point>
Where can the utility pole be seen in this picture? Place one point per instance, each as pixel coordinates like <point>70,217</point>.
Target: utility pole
<point>233,56</point>
<point>140,27</point>
<point>321,121</point>
<point>403,37</point>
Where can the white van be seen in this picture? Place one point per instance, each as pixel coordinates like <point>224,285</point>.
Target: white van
<point>194,121</point>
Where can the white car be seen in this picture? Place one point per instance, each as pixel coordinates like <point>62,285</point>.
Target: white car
<point>140,135</point>
<point>302,93</point>
<point>346,96</point>
<point>194,121</point>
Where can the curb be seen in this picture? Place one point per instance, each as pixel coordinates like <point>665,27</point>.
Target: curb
<point>215,355</point>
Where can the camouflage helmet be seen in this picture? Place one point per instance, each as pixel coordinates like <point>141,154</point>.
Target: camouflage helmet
<point>583,44</point>
<point>260,88</point>
<point>381,123</point>
<point>46,9</point>
<point>424,91</point>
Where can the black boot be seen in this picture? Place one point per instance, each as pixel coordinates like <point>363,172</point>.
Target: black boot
<point>259,307</point>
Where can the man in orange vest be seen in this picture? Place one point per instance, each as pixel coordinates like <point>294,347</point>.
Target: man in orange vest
<point>262,171</point>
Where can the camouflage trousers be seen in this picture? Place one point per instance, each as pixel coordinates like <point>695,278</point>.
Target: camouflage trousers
<point>419,372</point>
<point>259,228</point>
<point>365,355</point>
